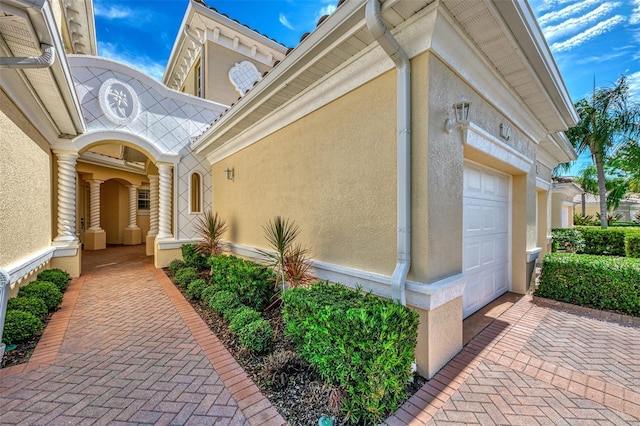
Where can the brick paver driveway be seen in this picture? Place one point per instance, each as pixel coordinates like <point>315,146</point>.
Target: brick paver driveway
<point>126,348</point>
<point>539,363</point>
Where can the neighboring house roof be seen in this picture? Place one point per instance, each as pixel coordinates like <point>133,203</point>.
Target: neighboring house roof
<point>506,32</point>
<point>46,95</point>
<point>595,199</point>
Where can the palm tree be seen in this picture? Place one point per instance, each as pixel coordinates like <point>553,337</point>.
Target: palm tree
<point>588,183</point>
<point>607,121</point>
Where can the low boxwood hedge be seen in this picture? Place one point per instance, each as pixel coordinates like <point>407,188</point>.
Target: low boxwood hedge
<point>243,316</point>
<point>33,305</point>
<point>20,326</point>
<point>602,282</point>
<point>57,276</point>
<point>192,257</point>
<point>48,292</point>
<point>632,245</point>
<point>184,276</point>
<point>225,303</point>
<point>195,288</point>
<point>252,282</point>
<point>256,336</point>
<point>176,265</point>
<point>358,342</point>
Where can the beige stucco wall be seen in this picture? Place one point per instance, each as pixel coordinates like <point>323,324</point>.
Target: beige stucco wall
<point>447,155</point>
<point>544,227</point>
<point>114,219</point>
<point>218,62</point>
<point>332,172</point>
<point>25,187</point>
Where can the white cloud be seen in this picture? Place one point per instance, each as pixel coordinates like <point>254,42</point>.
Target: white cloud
<point>574,24</point>
<point>600,58</point>
<point>583,37</point>
<point>635,14</point>
<point>634,86</point>
<point>559,15</point>
<point>112,12</point>
<point>545,5</point>
<point>141,63</point>
<point>284,21</point>
<point>326,10</point>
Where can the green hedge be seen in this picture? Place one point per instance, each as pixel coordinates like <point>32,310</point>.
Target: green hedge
<point>19,326</point>
<point>225,303</point>
<point>176,265</point>
<point>632,245</point>
<point>256,336</point>
<point>193,258</point>
<point>609,242</point>
<point>57,276</point>
<point>243,316</point>
<point>252,282</point>
<point>361,343</point>
<point>195,289</point>
<point>48,292</point>
<point>184,276</point>
<point>569,239</point>
<point>33,305</point>
<point>602,282</point>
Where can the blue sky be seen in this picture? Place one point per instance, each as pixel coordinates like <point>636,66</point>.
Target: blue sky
<point>590,39</point>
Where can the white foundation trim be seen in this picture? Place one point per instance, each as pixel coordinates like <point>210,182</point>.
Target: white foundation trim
<point>171,244</point>
<point>420,295</point>
<point>26,265</point>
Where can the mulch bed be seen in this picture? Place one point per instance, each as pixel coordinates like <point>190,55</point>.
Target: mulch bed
<point>292,386</point>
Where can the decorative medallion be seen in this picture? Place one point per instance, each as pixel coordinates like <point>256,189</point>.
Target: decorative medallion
<point>243,75</point>
<point>118,101</point>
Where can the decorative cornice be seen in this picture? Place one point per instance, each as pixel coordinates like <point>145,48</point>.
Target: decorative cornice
<point>483,141</point>
<point>26,265</point>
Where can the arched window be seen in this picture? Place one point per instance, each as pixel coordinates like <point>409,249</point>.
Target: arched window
<point>196,193</point>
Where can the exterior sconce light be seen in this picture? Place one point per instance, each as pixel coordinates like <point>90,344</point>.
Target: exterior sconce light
<point>461,110</point>
<point>505,131</point>
<point>229,174</point>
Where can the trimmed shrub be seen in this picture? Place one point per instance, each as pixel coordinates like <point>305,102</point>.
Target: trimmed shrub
<point>569,239</point>
<point>208,293</point>
<point>252,282</point>
<point>192,257</point>
<point>358,342</point>
<point>243,316</point>
<point>632,245</point>
<point>256,336</point>
<point>195,288</point>
<point>603,241</point>
<point>33,305</point>
<point>176,265</point>
<point>57,276</point>
<point>602,282</point>
<point>185,275</point>
<point>48,292</point>
<point>225,303</point>
<point>20,326</point>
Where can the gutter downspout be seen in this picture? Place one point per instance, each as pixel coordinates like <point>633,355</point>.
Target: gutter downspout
<point>45,60</point>
<point>189,34</point>
<point>392,48</point>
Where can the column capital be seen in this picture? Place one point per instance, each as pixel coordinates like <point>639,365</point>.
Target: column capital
<point>95,181</point>
<point>65,152</point>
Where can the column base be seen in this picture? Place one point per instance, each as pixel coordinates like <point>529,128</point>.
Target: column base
<point>67,257</point>
<point>165,252</point>
<point>95,240</point>
<point>132,236</point>
<point>150,241</point>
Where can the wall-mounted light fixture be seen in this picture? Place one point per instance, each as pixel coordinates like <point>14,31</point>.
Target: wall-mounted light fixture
<point>461,110</point>
<point>229,174</point>
<point>505,131</point>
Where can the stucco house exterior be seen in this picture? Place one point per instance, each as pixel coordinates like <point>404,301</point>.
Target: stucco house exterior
<point>411,140</point>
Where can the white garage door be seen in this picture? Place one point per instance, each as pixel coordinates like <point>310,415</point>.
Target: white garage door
<point>485,236</point>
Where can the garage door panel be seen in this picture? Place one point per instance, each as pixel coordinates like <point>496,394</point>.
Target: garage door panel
<point>486,236</point>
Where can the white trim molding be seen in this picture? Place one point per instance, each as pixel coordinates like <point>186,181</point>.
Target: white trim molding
<point>543,184</point>
<point>25,266</point>
<point>533,253</point>
<point>419,295</point>
<point>481,140</point>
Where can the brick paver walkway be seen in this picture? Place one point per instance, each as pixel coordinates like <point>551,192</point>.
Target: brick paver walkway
<point>541,363</point>
<point>127,348</point>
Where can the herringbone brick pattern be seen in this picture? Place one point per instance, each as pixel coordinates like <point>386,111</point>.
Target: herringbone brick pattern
<point>596,348</point>
<point>536,365</point>
<point>128,355</point>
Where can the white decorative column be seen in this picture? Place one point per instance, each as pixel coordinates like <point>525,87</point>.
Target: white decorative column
<point>133,233</point>
<point>164,208</point>
<point>68,254</point>
<point>66,197</point>
<point>95,238</point>
<point>153,213</point>
<point>165,249</point>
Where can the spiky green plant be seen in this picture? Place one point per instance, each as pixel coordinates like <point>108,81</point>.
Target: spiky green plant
<point>288,260</point>
<point>210,228</point>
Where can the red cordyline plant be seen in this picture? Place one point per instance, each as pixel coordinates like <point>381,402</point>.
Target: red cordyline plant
<point>288,259</point>
<point>210,228</point>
